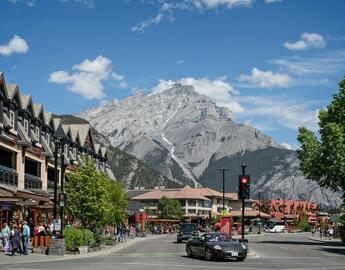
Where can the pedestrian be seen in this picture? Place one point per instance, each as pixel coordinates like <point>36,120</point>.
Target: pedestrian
<point>330,233</point>
<point>6,232</point>
<point>313,231</point>
<point>25,238</point>
<point>15,240</point>
<point>321,232</point>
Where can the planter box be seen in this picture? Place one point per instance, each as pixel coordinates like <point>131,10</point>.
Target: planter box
<point>83,249</point>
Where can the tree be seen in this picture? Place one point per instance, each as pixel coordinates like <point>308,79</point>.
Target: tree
<point>93,199</point>
<point>323,159</point>
<point>169,208</point>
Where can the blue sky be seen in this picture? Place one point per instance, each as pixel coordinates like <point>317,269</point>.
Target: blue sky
<point>273,63</point>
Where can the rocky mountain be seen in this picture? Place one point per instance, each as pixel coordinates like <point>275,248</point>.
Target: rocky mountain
<point>187,137</point>
<point>131,171</point>
<point>126,168</point>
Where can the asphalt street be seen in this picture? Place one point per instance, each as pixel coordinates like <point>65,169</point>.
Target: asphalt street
<point>273,251</point>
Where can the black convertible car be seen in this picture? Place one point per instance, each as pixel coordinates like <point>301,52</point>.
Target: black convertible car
<point>216,245</point>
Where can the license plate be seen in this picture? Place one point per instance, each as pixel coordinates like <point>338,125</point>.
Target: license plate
<point>234,254</point>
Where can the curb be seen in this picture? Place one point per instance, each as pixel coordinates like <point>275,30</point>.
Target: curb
<point>324,241</point>
<point>88,255</point>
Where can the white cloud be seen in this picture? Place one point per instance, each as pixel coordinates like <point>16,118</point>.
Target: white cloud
<point>87,78</point>
<point>307,41</point>
<point>330,62</point>
<point>218,90</point>
<point>167,8</point>
<point>266,79</point>
<point>29,3</point>
<point>181,61</point>
<point>279,110</point>
<point>272,1</point>
<point>15,45</point>
<point>86,3</point>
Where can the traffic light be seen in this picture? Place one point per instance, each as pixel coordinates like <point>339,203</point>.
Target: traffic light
<point>243,187</point>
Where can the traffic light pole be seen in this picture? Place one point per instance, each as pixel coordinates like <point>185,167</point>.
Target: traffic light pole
<point>242,221</point>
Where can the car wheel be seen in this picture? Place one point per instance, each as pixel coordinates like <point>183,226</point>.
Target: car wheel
<point>240,259</point>
<point>179,241</point>
<point>189,252</point>
<point>208,254</point>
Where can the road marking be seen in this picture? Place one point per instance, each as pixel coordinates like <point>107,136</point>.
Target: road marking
<point>146,254</point>
<point>227,267</point>
<point>191,266</point>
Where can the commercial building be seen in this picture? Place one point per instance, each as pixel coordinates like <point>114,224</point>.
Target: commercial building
<point>197,203</point>
<point>27,153</point>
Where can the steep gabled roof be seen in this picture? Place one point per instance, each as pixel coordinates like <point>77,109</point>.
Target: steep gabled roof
<point>12,91</point>
<point>3,84</point>
<point>47,117</point>
<point>38,109</point>
<point>83,130</point>
<point>26,100</point>
<point>56,123</point>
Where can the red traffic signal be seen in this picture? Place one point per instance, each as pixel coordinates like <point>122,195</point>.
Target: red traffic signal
<point>244,187</point>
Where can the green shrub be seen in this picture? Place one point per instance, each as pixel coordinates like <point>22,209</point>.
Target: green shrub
<point>74,238</point>
<point>89,238</point>
<point>78,237</point>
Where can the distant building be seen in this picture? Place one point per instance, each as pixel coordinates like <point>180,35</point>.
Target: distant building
<point>197,203</point>
<point>290,210</point>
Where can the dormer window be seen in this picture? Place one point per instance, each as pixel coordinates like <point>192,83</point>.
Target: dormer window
<point>74,151</point>
<point>48,138</point>
<point>26,126</point>
<point>12,116</point>
<point>37,133</point>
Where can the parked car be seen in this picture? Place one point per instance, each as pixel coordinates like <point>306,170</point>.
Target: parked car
<point>216,246</point>
<point>186,231</point>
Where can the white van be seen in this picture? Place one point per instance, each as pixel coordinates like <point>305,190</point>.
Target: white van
<point>278,228</point>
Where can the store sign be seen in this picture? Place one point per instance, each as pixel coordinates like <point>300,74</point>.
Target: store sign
<point>57,225</point>
<point>6,207</point>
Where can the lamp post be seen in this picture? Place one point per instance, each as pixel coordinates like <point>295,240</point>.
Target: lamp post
<point>223,170</point>
<point>243,206</point>
<point>59,140</point>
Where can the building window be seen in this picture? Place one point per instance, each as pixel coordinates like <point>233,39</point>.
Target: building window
<point>74,150</point>
<point>191,211</point>
<point>191,202</point>
<point>37,132</point>
<point>12,116</point>
<point>26,126</point>
<point>65,149</point>
<point>48,138</point>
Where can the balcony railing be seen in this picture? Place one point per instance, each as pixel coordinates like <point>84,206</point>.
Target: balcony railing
<point>50,184</point>
<point>8,176</point>
<point>32,182</point>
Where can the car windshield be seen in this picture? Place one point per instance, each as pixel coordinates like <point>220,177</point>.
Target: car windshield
<point>217,238</point>
<point>187,227</point>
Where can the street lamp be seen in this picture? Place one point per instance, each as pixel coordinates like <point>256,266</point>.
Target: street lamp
<point>223,170</point>
<point>59,141</point>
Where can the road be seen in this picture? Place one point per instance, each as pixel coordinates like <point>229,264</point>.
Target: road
<point>273,251</point>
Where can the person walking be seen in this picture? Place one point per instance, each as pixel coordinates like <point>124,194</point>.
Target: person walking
<point>15,240</point>
<point>6,233</point>
<point>25,238</point>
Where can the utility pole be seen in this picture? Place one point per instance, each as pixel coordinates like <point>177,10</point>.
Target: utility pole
<point>242,227</point>
<point>223,170</point>
<point>259,213</point>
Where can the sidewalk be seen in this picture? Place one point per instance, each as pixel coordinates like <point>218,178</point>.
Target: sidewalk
<point>35,257</point>
<point>326,240</point>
